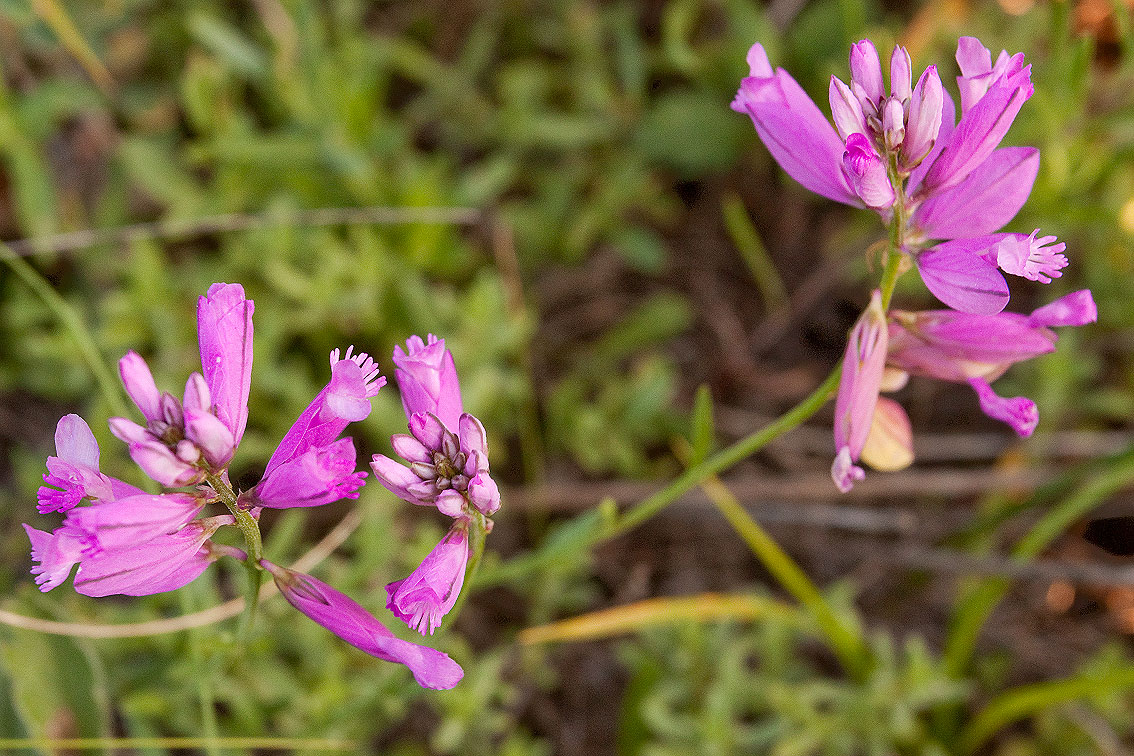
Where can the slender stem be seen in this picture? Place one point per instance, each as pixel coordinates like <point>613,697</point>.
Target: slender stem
<point>519,567</point>
<point>250,529</point>
<point>725,458</point>
<point>897,238</point>
<point>845,640</point>
<point>70,320</point>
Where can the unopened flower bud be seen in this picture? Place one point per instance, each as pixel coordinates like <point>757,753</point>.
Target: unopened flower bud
<point>893,124</point>
<point>924,121</point>
<point>867,173</point>
<point>901,74</point>
<point>866,74</point>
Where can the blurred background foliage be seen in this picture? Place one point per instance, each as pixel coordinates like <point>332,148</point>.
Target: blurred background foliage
<point>605,280</point>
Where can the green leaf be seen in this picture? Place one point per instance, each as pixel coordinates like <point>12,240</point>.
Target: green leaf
<point>691,132</point>
<point>53,685</point>
<point>229,45</point>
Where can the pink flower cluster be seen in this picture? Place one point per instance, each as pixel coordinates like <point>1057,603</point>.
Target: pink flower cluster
<point>127,541</point>
<point>904,151</point>
<point>446,466</point>
<point>947,188</point>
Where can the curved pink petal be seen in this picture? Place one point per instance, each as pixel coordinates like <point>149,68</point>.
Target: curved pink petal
<point>794,130</point>
<point>962,280</point>
<point>985,201</point>
<point>75,443</point>
<point>980,130</point>
<point>345,618</point>
<point>224,332</point>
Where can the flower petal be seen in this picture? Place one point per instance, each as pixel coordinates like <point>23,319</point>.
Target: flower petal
<point>962,280</point>
<point>985,201</point>
<point>794,130</point>
<point>224,332</point>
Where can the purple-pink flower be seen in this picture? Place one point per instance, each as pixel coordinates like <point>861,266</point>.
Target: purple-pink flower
<point>952,182</point>
<point>312,465</point>
<point>126,541</point>
<point>884,350</point>
<point>427,595</point>
<point>446,466</point>
<point>347,619</point>
<point>977,349</point>
<point>446,455</point>
<point>73,474</point>
<point>863,364</point>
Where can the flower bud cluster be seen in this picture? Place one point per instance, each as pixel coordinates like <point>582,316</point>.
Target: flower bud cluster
<point>881,130</point>
<point>446,466</point>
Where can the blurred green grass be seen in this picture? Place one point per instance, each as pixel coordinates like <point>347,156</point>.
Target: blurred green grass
<point>594,132</point>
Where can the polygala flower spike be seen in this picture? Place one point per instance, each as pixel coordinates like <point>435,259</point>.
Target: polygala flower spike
<point>446,466</point>
<point>945,189</point>
<point>952,182</point>
<point>129,542</point>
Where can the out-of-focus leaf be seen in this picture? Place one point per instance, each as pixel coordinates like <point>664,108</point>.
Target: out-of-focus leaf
<point>691,132</point>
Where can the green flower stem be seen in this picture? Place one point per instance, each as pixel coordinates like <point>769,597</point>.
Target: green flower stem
<point>520,567</point>
<point>893,267</point>
<point>250,529</point>
<point>845,640</point>
<point>70,320</point>
<point>724,459</point>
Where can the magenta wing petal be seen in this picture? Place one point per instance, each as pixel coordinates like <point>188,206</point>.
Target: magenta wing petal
<point>122,523</point>
<point>321,475</point>
<point>347,619</point>
<point>794,130</point>
<point>161,564</point>
<point>962,280</point>
<point>989,198</point>
<point>980,130</point>
<point>224,331</point>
